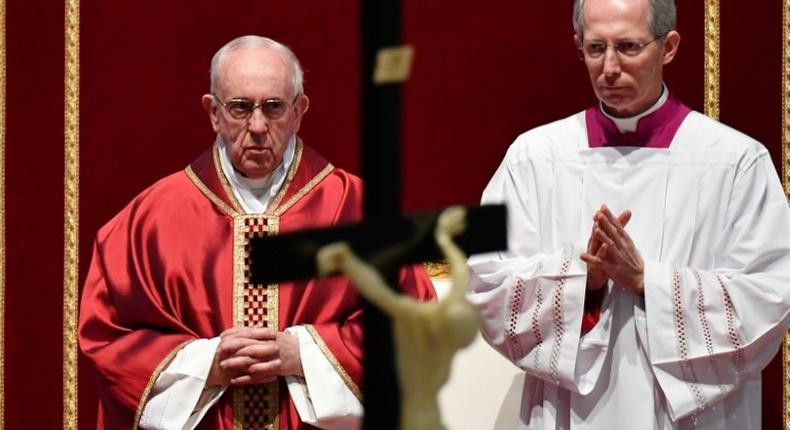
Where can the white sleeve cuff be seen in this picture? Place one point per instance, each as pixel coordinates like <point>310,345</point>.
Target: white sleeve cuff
<point>175,395</point>
<point>322,398</point>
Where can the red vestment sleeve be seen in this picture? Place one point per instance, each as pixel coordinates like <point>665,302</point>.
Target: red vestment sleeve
<point>146,293</point>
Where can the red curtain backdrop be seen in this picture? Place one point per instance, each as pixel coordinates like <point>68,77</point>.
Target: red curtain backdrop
<point>483,73</point>
<point>34,215</point>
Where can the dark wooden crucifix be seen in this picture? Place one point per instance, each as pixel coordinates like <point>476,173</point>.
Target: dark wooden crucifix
<point>386,239</point>
<point>387,243</point>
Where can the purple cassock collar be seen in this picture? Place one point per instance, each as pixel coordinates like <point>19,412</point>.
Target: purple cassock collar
<point>655,130</point>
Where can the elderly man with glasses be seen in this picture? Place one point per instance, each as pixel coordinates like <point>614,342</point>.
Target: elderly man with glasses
<point>647,280</point>
<point>175,331</point>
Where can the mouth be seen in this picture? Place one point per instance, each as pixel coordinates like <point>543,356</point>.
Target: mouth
<point>258,149</point>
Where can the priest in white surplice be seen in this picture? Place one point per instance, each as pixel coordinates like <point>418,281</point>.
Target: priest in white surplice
<point>647,280</point>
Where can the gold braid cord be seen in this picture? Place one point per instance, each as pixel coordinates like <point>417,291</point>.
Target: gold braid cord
<point>2,210</point>
<point>786,97</point>
<point>786,180</point>
<point>712,58</point>
<point>71,213</point>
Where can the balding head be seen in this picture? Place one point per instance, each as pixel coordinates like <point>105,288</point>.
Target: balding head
<point>256,42</point>
<point>661,18</point>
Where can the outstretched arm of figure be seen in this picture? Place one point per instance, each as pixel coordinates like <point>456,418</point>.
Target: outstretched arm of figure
<point>368,281</point>
<point>452,222</point>
<point>393,255</point>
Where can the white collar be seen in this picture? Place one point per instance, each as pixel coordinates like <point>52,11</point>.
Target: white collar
<point>628,125</point>
<point>254,195</point>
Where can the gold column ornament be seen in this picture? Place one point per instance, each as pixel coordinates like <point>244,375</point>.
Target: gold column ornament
<point>712,58</point>
<point>71,211</point>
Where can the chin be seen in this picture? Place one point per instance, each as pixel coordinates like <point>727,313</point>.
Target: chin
<point>617,105</point>
<point>258,171</point>
<point>255,174</point>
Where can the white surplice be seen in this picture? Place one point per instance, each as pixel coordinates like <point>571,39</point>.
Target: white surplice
<point>712,224</point>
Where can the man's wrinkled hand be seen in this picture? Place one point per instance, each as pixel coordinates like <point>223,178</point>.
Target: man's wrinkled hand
<point>596,277</point>
<point>617,255</point>
<point>254,355</point>
<point>239,349</point>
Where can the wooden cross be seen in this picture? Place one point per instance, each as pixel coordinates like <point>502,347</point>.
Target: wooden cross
<point>387,243</point>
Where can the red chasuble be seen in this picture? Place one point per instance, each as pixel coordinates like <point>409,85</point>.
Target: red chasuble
<point>171,268</point>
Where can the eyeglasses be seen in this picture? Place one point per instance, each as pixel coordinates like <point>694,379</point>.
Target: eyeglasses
<point>242,109</point>
<point>629,48</point>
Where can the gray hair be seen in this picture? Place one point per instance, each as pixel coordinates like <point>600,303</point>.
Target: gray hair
<point>662,17</point>
<point>257,42</point>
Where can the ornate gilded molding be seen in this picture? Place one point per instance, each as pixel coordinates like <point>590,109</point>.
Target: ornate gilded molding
<point>712,58</point>
<point>437,269</point>
<point>2,209</point>
<point>71,211</point>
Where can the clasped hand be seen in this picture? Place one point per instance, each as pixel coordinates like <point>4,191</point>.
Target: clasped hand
<point>254,355</point>
<point>611,253</point>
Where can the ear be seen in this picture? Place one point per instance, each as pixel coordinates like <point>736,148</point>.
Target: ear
<point>300,106</point>
<point>671,43</point>
<point>576,40</point>
<point>211,109</point>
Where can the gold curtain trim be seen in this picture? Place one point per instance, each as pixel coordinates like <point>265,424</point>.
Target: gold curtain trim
<point>786,180</point>
<point>2,210</point>
<point>786,97</point>
<point>71,211</point>
<point>712,58</point>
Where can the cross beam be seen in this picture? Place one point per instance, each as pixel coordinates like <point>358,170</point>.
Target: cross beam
<point>387,243</point>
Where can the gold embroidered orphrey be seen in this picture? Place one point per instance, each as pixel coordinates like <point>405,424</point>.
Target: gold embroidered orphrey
<point>254,407</point>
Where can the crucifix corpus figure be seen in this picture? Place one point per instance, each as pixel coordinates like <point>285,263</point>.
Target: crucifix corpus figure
<point>427,334</point>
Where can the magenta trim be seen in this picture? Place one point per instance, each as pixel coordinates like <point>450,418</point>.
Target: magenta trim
<point>655,130</point>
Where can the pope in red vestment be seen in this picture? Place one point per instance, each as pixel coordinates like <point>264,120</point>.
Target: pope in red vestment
<point>172,268</point>
<point>168,269</point>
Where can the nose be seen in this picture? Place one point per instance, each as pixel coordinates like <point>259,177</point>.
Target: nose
<point>611,63</point>
<point>258,122</point>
